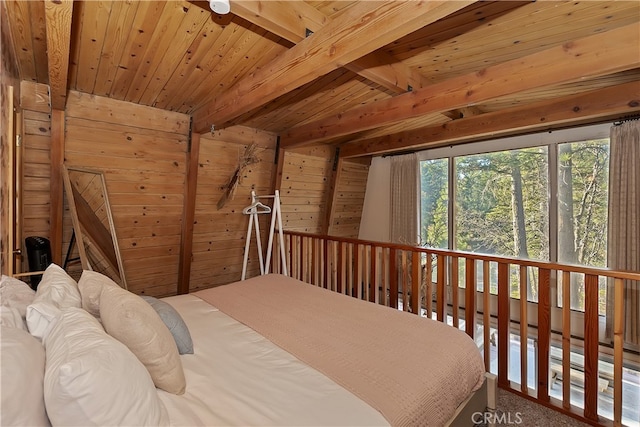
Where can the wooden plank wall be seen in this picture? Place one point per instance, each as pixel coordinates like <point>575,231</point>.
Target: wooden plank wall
<point>304,188</point>
<point>348,199</point>
<point>36,146</point>
<point>219,236</point>
<point>9,98</point>
<point>142,152</point>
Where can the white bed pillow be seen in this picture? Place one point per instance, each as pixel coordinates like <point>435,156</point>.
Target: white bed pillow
<point>90,286</point>
<point>15,293</point>
<point>92,379</point>
<point>132,321</point>
<point>10,317</point>
<point>57,290</point>
<point>22,375</point>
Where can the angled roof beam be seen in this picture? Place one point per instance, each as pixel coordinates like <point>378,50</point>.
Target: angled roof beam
<point>58,15</point>
<point>600,54</point>
<point>292,20</point>
<point>360,30</point>
<point>598,105</point>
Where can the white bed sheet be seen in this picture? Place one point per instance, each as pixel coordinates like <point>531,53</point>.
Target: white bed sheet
<point>237,377</point>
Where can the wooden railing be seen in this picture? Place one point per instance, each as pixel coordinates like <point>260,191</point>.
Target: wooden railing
<point>398,276</point>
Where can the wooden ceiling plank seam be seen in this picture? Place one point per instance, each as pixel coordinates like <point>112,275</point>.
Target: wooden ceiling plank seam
<point>121,20</point>
<point>39,34</point>
<point>595,55</point>
<point>19,21</point>
<point>147,15</point>
<point>227,59</point>
<point>201,73</point>
<point>96,17</point>
<point>164,31</point>
<point>193,25</point>
<point>58,21</point>
<point>337,44</point>
<point>601,104</point>
<point>195,54</point>
<point>256,54</point>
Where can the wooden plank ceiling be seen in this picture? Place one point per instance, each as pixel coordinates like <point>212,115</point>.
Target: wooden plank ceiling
<point>370,76</point>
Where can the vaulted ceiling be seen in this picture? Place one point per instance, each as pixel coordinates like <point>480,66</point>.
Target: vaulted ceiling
<point>369,76</point>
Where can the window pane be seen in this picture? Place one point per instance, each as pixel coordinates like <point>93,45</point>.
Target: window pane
<point>502,207</point>
<point>434,199</point>
<point>583,177</point>
<point>502,203</point>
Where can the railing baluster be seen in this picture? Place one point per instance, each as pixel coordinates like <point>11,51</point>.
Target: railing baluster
<point>454,290</point>
<point>415,282</point>
<point>373,281</point>
<point>470,298</point>
<point>618,342</point>
<point>566,339</point>
<point>544,332</point>
<point>393,278</point>
<point>355,284</point>
<point>591,347</point>
<point>405,280</point>
<point>341,269</point>
<point>325,260</point>
<point>524,331</point>
<point>504,322</point>
<point>441,299</point>
<point>486,315</point>
<point>428,292</point>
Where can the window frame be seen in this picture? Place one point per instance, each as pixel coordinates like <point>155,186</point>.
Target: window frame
<point>551,139</point>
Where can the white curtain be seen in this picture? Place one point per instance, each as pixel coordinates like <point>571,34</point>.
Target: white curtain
<point>404,199</point>
<point>623,247</point>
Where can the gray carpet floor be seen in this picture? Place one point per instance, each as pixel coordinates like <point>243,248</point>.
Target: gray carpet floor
<point>519,411</point>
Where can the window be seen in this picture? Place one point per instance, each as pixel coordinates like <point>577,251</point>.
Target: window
<point>544,201</point>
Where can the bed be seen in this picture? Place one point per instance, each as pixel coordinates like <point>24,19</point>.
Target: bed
<point>270,350</point>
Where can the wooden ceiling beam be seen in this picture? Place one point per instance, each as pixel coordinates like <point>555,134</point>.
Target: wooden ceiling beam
<point>599,105</point>
<point>293,20</point>
<point>338,43</point>
<point>58,14</point>
<point>600,54</point>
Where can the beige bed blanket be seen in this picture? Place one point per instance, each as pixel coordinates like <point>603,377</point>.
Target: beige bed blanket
<point>415,371</point>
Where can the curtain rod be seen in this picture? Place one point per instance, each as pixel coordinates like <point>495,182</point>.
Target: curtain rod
<point>627,119</point>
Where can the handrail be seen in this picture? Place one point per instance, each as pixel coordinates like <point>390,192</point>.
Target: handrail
<point>575,268</point>
<point>398,276</point>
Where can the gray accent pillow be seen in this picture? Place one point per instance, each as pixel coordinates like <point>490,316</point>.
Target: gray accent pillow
<point>174,322</point>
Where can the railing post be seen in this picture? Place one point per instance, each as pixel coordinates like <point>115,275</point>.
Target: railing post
<point>441,299</point>
<point>544,332</point>
<point>591,347</point>
<point>618,342</point>
<point>470,298</point>
<point>504,321</point>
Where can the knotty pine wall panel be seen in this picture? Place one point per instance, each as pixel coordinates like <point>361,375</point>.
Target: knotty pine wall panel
<point>349,199</point>
<point>36,162</point>
<point>219,236</point>
<point>142,151</point>
<point>304,188</point>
